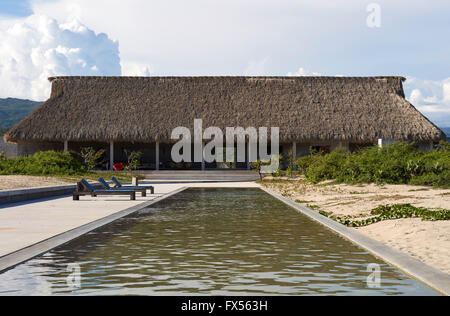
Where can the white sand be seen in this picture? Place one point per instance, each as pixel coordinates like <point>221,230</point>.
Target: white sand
<point>23,182</point>
<point>428,242</point>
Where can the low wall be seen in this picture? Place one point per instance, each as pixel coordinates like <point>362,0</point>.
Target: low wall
<point>10,149</point>
<point>30,148</point>
<point>21,195</point>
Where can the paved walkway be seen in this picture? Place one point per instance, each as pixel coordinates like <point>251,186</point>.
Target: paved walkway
<point>24,224</point>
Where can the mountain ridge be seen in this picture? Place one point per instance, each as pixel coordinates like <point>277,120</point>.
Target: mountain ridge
<point>13,110</point>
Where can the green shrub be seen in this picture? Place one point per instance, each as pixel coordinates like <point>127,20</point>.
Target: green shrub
<point>390,212</point>
<point>42,163</point>
<point>398,163</point>
<point>91,157</point>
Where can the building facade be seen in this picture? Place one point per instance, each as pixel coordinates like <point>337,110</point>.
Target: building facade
<point>120,114</point>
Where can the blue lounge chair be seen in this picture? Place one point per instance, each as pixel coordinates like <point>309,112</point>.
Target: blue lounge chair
<point>136,189</point>
<point>120,186</point>
<point>85,188</point>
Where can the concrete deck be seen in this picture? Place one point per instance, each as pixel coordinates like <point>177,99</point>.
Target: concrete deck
<point>27,223</point>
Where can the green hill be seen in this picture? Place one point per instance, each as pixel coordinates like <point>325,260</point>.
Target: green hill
<point>446,130</point>
<point>12,111</point>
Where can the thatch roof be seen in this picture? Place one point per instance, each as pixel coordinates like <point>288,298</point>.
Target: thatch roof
<point>356,109</point>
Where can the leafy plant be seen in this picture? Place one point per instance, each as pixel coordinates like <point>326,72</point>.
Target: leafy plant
<point>389,212</point>
<point>290,164</point>
<point>257,165</point>
<point>398,163</point>
<point>134,159</point>
<point>91,157</point>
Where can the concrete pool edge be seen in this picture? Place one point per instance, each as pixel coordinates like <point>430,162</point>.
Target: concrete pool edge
<point>18,257</point>
<point>431,277</point>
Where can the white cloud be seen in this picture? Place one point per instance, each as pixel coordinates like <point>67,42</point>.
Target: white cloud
<point>204,37</point>
<point>201,37</point>
<point>302,72</point>
<point>431,97</point>
<point>136,69</point>
<point>38,47</point>
<point>256,67</point>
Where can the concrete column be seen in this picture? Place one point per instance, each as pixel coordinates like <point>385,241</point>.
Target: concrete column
<point>157,156</point>
<point>294,150</point>
<point>66,146</point>
<point>249,167</point>
<point>111,155</point>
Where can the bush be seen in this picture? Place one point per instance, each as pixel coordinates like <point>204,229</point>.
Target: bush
<point>397,163</point>
<point>91,157</point>
<point>42,163</point>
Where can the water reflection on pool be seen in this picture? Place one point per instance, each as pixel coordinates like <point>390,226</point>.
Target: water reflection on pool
<point>210,242</point>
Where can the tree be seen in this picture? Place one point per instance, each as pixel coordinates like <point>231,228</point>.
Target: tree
<point>257,165</point>
<point>291,164</point>
<point>91,157</point>
<point>134,159</point>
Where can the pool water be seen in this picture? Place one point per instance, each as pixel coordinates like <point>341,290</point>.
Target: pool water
<point>209,242</point>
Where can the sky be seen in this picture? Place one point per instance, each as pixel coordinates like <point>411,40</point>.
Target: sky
<point>42,38</point>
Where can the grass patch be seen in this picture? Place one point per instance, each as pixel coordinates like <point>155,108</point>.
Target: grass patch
<point>346,203</point>
<point>93,176</point>
<point>302,202</point>
<point>313,207</point>
<point>279,181</point>
<point>419,190</point>
<point>390,212</point>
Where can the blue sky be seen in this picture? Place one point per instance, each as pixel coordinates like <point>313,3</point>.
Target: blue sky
<point>233,37</point>
<point>18,8</point>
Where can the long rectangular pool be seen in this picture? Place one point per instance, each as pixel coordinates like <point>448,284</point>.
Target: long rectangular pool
<point>209,242</point>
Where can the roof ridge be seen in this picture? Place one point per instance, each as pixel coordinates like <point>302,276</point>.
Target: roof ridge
<point>224,77</point>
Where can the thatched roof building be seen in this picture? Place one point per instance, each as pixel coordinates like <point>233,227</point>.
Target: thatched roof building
<point>134,109</point>
<point>130,113</point>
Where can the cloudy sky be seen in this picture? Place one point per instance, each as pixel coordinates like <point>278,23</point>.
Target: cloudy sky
<point>41,38</point>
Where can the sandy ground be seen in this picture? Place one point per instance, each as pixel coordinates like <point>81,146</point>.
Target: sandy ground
<point>426,241</point>
<point>22,182</point>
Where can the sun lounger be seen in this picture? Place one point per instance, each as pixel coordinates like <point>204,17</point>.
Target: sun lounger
<point>136,189</point>
<point>85,188</point>
<point>120,186</point>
